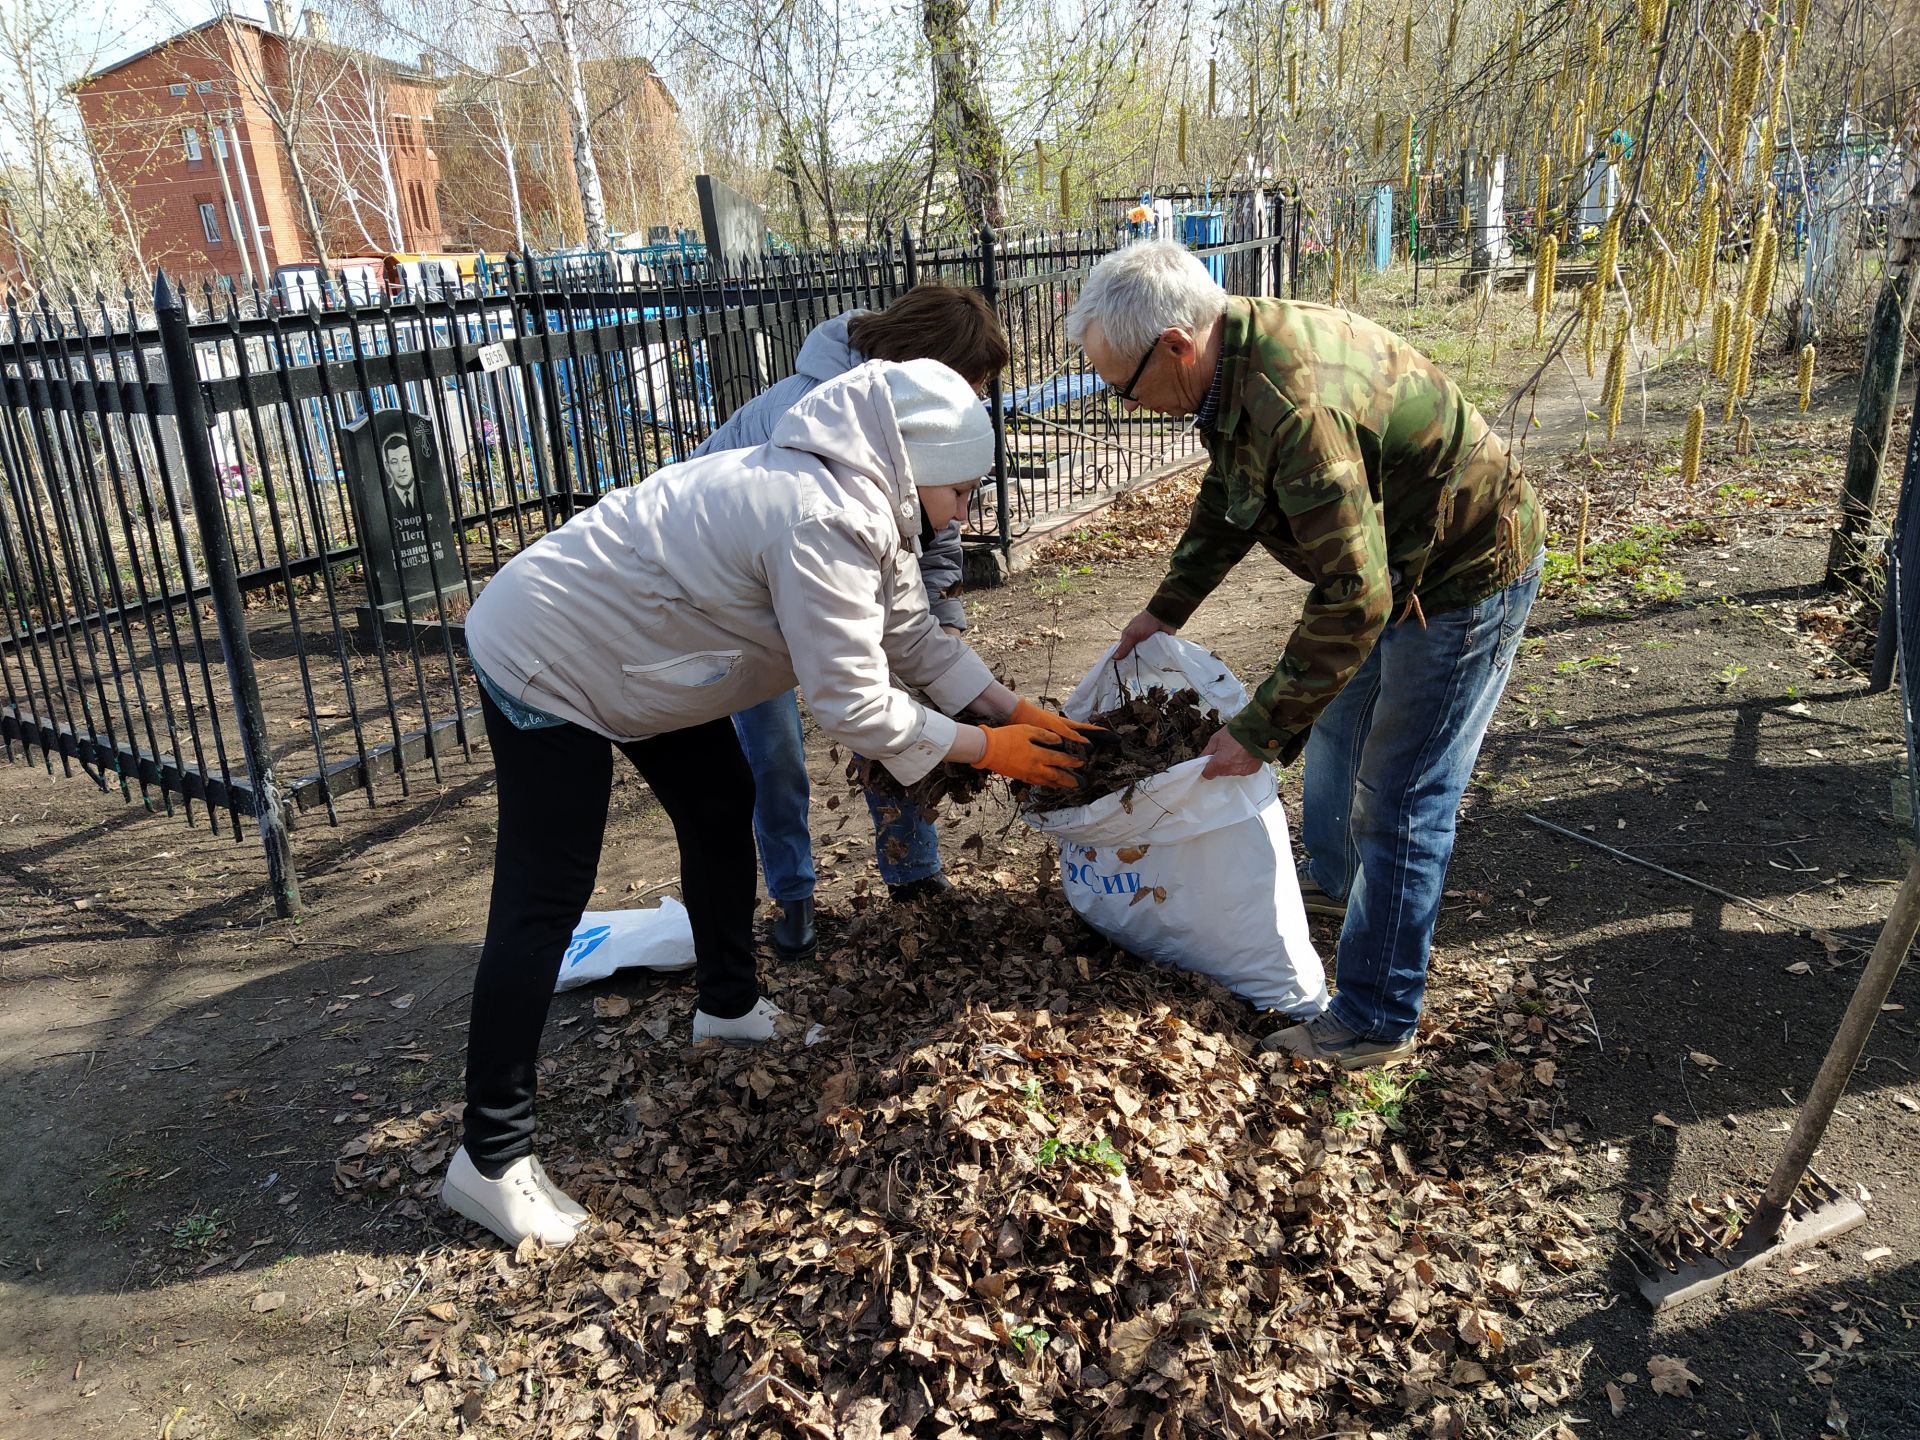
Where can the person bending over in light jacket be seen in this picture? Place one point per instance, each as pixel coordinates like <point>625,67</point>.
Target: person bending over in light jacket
<point>647,621</point>
<point>936,322</point>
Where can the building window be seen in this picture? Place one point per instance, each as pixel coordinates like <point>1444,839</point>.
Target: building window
<point>203,87</point>
<point>176,89</point>
<point>220,141</point>
<point>190,142</point>
<point>210,222</point>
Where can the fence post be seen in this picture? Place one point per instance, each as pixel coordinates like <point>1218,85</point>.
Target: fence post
<point>209,509</point>
<point>990,288</point>
<point>911,254</point>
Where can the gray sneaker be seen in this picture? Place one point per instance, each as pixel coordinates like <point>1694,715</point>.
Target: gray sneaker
<point>1325,1038</point>
<point>1318,901</point>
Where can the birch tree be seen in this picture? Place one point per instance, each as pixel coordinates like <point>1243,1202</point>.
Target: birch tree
<point>67,231</point>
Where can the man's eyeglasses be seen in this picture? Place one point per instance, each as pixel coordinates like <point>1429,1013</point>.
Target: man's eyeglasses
<point>1125,392</point>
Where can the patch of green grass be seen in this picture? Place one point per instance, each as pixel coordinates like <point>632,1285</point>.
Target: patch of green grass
<point>198,1232</point>
<point>1641,549</point>
<point>1657,583</point>
<point>1745,494</point>
<point>1098,1152</point>
<point>1378,1092</point>
<point>1603,661</point>
<point>114,1223</point>
<point>1029,1338</point>
<point>1731,672</point>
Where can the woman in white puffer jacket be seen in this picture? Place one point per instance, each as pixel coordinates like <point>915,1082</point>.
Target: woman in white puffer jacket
<point>647,621</point>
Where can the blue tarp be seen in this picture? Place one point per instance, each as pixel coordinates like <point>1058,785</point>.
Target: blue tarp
<point>1032,399</point>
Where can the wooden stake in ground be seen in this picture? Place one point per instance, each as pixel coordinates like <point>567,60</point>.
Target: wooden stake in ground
<point>1879,381</point>
<point>1580,538</point>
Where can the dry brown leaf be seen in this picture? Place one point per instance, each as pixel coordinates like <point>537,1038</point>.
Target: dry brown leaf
<point>1669,1375</point>
<point>612,1007</point>
<point>268,1300</point>
<point>1702,1059</point>
<point>1616,1399</point>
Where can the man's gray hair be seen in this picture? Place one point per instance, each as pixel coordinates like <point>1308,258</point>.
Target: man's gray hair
<point>1143,289</point>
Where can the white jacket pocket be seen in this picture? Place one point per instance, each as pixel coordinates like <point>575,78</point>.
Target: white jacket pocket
<point>687,672</point>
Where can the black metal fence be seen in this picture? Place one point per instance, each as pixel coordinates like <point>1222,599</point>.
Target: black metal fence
<point>237,549</point>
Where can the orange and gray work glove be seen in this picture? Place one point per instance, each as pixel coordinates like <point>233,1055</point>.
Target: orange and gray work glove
<point>1027,752</point>
<point>1025,712</point>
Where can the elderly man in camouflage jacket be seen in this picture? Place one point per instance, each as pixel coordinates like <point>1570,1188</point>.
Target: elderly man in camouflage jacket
<point>1361,468</point>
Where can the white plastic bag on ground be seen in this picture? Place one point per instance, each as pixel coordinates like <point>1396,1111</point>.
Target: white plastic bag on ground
<point>1196,873</point>
<point>608,940</point>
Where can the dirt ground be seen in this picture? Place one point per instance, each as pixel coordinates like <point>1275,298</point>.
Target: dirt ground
<point>183,1071</point>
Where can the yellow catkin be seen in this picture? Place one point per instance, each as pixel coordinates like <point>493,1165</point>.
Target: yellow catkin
<point>1340,63</point>
<point>1514,42</point>
<point>1543,267</point>
<point>1293,84</point>
<point>1453,25</point>
<point>1743,88</point>
<point>1653,15</point>
<point>1609,259</point>
<point>1590,314</point>
<point>1722,336</point>
<point>1596,43</point>
<point>1406,43</point>
<point>1613,389</point>
<point>1337,276</point>
<point>1406,154</point>
<point>1763,156</point>
<point>1543,191</point>
<point>1379,132</point>
<point>1690,449</point>
<point>1763,284</point>
<point>1705,252</point>
<point>1806,376</point>
<point>1066,195</point>
<point>1752,297</point>
<point>1743,357</point>
<point>1801,10</point>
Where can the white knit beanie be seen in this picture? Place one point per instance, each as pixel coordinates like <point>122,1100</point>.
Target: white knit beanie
<point>943,426</point>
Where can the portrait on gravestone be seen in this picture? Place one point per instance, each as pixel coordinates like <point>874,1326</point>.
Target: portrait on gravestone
<point>405,509</point>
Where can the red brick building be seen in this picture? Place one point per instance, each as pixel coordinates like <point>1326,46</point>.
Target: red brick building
<point>211,137</point>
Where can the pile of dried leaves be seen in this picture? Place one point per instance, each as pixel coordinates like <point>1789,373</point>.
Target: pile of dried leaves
<point>1148,734</point>
<point>1026,1185</point>
<point>948,783</point>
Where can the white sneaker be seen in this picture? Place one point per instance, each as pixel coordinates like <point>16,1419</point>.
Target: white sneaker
<point>513,1207</point>
<point>757,1025</point>
<point>562,1201</point>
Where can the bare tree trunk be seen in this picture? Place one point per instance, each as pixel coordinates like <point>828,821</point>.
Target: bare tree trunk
<point>586,170</point>
<point>512,165</point>
<point>963,122</point>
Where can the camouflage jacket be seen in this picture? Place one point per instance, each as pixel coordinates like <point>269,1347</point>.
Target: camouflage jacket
<point>1360,467</point>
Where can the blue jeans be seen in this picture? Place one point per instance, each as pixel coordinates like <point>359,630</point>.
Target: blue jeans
<point>906,847</point>
<point>1386,765</point>
<point>776,752</point>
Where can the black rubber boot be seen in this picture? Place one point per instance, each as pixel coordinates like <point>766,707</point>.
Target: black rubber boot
<point>913,890</point>
<point>793,937</point>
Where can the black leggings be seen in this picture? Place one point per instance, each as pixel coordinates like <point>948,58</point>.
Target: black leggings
<point>554,787</point>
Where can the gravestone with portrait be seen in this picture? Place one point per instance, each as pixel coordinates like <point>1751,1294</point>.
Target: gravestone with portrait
<point>406,512</point>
